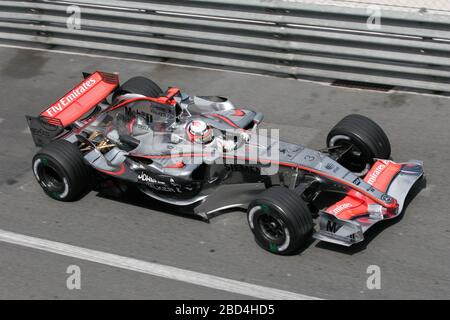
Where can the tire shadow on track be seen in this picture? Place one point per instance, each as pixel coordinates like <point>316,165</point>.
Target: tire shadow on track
<point>134,197</point>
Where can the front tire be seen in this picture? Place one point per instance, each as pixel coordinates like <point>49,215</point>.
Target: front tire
<point>280,221</point>
<point>61,172</point>
<point>363,139</point>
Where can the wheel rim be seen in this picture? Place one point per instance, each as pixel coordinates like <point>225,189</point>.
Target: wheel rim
<point>271,228</point>
<point>49,178</point>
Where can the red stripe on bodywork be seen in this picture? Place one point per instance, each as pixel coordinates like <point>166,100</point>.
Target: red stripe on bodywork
<point>130,125</point>
<point>119,172</point>
<point>225,119</point>
<point>391,205</point>
<point>238,113</point>
<point>167,99</point>
<point>176,165</point>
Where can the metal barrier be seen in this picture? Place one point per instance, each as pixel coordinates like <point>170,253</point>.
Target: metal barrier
<point>270,36</point>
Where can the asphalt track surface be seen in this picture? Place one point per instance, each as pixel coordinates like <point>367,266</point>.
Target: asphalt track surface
<point>412,252</point>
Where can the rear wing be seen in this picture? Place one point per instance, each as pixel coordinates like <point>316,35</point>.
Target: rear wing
<point>72,106</point>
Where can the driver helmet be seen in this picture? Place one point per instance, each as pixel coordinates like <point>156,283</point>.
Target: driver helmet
<point>199,132</point>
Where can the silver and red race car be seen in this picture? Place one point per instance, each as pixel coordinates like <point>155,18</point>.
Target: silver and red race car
<point>204,155</point>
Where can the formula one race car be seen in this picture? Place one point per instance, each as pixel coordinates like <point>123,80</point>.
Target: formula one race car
<point>203,154</point>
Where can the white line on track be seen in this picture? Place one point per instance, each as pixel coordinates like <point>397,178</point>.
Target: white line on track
<point>154,269</point>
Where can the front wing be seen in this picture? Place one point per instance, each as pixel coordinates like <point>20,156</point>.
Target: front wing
<point>339,229</point>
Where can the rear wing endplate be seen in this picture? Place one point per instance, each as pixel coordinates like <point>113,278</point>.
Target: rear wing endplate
<point>42,130</point>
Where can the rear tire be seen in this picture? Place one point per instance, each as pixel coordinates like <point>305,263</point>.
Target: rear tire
<point>140,85</point>
<point>364,136</point>
<point>60,170</point>
<point>280,221</point>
